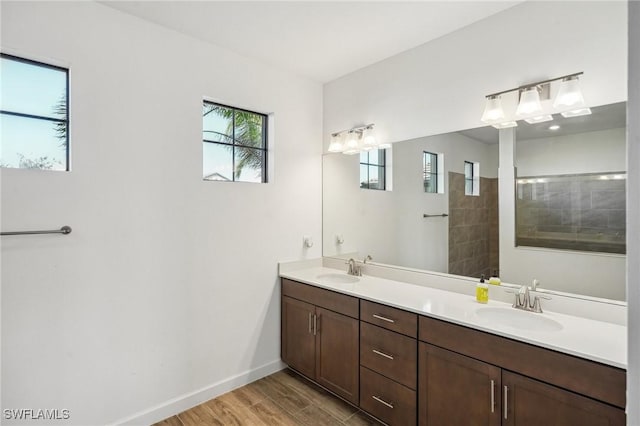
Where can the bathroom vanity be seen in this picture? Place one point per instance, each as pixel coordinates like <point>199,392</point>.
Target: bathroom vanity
<point>408,354</point>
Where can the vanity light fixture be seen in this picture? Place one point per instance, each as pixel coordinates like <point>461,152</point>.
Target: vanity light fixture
<point>355,140</point>
<point>569,102</point>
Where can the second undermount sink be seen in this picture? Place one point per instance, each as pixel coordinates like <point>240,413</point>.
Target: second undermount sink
<point>518,320</point>
<point>335,278</point>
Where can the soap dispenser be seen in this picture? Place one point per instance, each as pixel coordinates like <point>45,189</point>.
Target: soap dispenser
<point>482,291</point>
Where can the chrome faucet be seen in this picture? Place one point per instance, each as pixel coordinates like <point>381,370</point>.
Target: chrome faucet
<point>354,268</point>
<point>523,298</point>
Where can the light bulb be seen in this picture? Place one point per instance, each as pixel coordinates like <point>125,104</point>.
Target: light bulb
<point>493,111</point>
<point>336,144</point>
<point>569,95</point>
<point>529,102</point>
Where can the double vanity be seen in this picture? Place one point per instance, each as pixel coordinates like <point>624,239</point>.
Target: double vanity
<point>412,354</point>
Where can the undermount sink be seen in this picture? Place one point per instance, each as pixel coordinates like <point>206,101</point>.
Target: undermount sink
<point>333,278</point>
<point>518,319</point>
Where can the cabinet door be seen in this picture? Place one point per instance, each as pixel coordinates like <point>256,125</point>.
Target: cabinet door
<point>456,390</point>
<point>529,402</point>
<point>298,340</point>
<point>337,353</point>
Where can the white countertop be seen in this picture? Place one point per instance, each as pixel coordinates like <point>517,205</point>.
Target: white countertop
<point>594,340</point>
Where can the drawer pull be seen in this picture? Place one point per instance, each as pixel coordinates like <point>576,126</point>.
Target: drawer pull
<point>381,401</point>
<point>310,326</point>
<point>382,354</point>
<point>380,317</point>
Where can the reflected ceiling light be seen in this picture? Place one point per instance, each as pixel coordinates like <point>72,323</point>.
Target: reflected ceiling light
<point>493,112</point>
<point>529,102</point>
<point>569,102</point>
<point>355,140</point>
<point>539,119</point>
<point>576,112</point>
<point>569,95</point>
<point>554,127</point>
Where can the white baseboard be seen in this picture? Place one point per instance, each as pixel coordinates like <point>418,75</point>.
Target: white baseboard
<point>189,400</point>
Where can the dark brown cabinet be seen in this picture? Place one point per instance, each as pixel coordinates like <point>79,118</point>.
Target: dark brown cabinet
<point>404,368</point>
<point>456,390</point>
<point>530,402</point>
<point>469,382</point>
<point>337,353</point>
<point>319,342</point>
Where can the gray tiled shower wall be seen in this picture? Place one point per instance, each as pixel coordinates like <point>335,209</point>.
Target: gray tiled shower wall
<point>473,228</point>
<point>575,212</point>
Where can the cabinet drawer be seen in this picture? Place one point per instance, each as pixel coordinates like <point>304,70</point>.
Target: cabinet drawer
<point>390,318</point>
<point>390,354</point>
<point>341,303</point>
<point>387,400</point>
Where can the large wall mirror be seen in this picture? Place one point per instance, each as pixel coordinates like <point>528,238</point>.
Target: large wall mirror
<point>439,209</point>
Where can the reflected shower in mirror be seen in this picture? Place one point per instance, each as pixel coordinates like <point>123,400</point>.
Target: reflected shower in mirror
<point>570,204</point>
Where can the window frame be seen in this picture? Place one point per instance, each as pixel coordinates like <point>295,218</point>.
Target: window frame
<point>233,144</point>
<point>66,121</point>
<point>380,165</point>
<point>433,173</point>
<point>474,179</point>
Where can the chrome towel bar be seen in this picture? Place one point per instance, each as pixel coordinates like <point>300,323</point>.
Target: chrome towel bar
<point>435,215</point>
<point>64,231</point>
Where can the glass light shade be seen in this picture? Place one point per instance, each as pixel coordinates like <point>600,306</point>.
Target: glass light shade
<point>569,95</point>
<point>505,125</point>
<point>493,111</point>
<point>352,141</point>
<point>336,144</point>
<point>369,141</point>
<point>576,112</point>
<point>529,102</point>
<point>351,151</point>
<point>539,119</point>
<point>384,146</point>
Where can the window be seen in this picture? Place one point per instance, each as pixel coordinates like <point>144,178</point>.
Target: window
<point>234,144</point>
<point>372,169</point>
<point>471,178</point>
<point>430,172</point>
<point>34,119</point>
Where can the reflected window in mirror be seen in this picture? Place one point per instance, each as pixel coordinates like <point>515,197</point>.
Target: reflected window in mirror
<point>471,178</point>
<point>432,172</point>
<point>373,169</point>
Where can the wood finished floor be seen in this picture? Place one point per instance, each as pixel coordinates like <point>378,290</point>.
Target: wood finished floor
<point>283,398</point>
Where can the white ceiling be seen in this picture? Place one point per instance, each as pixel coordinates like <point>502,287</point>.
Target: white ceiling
<point>319,40</point>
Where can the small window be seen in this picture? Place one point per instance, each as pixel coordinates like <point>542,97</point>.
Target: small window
<point>234,144</point>
<point>372,169</point>
<point>34,115</point>
<point>471,178</point>
<point>432,173</point>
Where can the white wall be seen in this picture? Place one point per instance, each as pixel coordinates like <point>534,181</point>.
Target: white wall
<point>441,86</point>
<point>168,285</point>
<point>589,152</point>
<point>633,216</point>
<point>593,274</point>
<point>389,225</point>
